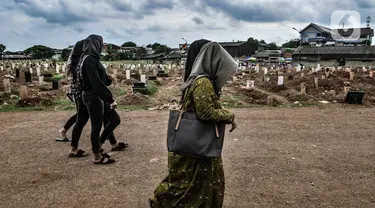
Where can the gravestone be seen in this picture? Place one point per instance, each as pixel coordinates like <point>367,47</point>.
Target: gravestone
<point>28,76</point>
<point>7,86</point>
<point>280,81</point>
<point>303,89</point>
<point>143,78</point>
<point>152,78</point>
<point>316,82</point>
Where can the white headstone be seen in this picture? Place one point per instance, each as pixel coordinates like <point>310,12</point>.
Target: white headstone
<point>280,80</point>
<point>257,68</point>
<point>127,74</point>
<point>13,66</point>
<point>63,68</point>
<point>7,86</point>
<point>41,79</point>
<point>265,71</point>
<point>143,78</point>
<point>170,67</point>
<point>31,70</point>
<point>298,68</point>
<point>318,68</point>
<point>57,68</point>
<point>38,70</point>
<point>2,68</point>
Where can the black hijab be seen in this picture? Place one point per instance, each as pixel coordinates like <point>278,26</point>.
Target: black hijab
<point>93,46</point>
<point>74,58</point>
<point>193,51</point>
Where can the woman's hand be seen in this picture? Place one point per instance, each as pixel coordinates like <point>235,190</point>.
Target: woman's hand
<point>113,105</point>
<point>234,126</point>
<point>111,77</point>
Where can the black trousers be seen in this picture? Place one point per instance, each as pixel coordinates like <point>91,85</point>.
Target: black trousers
<point>80,120</point>
<point>96,110</point>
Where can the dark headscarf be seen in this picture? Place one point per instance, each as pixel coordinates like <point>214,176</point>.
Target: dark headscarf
<point>93,46</point>
<point>74,58</point>
<point>193,51</point>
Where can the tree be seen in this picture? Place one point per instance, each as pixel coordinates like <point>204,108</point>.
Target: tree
<point>140,53</point>
<point>155,46</point>
<point>254,44</point>
<point>162,49</point>
<point>40,52</point>
<point>65,54</point>
<point>273,46</point>
<point>149,46</point>
<point>129,44</point>
<point>294,43</point>
<point>2,48</point>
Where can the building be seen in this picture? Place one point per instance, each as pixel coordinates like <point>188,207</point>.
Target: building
<point>237,49</point>
<point>268,55</point>
<point>356,56</point>
<point>315,34</point>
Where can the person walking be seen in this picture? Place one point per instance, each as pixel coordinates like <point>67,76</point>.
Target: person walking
<point>81,117</point>
<point>96,96</point>
<point>199,182</point>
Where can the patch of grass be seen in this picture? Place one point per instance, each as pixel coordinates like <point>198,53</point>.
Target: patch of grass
<point>119,92</point>
<point>132,108</point>
<point>152,89</point>
<point>13,108</point>
<point>64,104</point>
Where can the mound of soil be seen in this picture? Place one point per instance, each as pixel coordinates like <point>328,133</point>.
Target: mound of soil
<point>134,99</point>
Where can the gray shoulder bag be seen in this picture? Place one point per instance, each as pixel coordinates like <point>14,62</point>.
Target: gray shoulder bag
<point>190,136</point>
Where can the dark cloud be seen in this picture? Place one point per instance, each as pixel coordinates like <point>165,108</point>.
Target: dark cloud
<point>152,5</point>
<point>198,20</point>
<point>61,13</point>
<point>365,4</point>
<point>156,28</point>
<point>121,5</point>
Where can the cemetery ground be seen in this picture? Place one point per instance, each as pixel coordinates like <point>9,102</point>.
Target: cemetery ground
<point>278,157</point>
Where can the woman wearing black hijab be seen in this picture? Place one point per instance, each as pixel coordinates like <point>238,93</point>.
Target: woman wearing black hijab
<point>80,119</point>
<point>96,95</point>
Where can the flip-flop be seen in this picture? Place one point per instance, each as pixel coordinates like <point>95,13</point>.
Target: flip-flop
<point>120,146</point>
<point>80,153</point>
<point>63,140</point>
<point>104,161</point>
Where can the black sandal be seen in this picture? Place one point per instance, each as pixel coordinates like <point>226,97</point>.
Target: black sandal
<point>105,161</point>
<point>63,139</point>
<point>80,153</point>
<point>104,154</point>
<point>121,146</point>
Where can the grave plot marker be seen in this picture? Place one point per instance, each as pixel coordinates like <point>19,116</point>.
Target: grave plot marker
<point>127,74</point>
<point>303,89</point>
<point>41,80</point>
<point>351,75</point>
<point>7,86</point>
<point>23,92</point>
<point>372,74</point>
<point>143,78</point>
<point>316,81</point>
<point>280,81</point>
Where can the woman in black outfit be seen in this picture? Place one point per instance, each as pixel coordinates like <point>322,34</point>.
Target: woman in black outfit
<point>96,96</point>
<point>82,116</point>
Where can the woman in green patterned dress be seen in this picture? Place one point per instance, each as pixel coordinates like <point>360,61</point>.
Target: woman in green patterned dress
<point>195,182</point>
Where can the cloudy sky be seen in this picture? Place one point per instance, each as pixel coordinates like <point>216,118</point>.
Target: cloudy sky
<point>59,23</point>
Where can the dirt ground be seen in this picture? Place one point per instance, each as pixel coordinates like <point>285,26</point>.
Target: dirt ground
<point>278,157</point>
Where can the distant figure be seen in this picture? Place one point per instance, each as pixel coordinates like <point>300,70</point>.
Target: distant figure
<point>199,182</point>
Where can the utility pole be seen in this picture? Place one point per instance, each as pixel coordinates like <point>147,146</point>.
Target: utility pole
<point>300,44</point>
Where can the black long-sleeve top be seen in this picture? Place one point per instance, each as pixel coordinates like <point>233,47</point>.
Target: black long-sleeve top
<point>95,79</point>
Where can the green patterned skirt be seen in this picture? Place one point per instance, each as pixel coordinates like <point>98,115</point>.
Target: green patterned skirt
<point>191,183</point>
